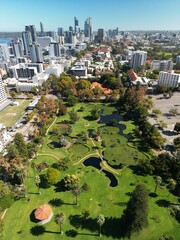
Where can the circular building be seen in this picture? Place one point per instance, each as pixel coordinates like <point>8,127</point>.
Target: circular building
<point>43,213</point>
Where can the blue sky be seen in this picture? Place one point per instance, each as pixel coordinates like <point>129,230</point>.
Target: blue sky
<point>125,14</point>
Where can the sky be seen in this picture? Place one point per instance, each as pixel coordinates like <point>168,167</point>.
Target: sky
<point>107,14</point>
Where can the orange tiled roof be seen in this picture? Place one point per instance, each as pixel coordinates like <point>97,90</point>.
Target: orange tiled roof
<point>133,76</point>
<point>43,212</point>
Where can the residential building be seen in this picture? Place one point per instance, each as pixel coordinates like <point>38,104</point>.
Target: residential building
<point>169,79</point>
<point>44,41</point>
<point>17,48</point>
<point>162,65</point>
<point>4,52</point>
<point>36,53</point>
<point>32,30</point>
<point>27,40</point>
<point>79,70</point>
<point>138,59</point>
<point>3,96</point>
<point>55,50</point>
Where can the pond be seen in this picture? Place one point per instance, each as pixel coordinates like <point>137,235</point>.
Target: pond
<point>95,162</point>
<point>107,118</point>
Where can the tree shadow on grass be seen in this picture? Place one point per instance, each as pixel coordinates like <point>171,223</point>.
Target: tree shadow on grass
<point>163,203</point>
<point>71,233</point>
<point>113,227</point>
<point>59,187</point>
<point>56,202</point>
<point>40,230</point>
<point>137,170</point>
<point>37,230</point>
<point>44,183</point>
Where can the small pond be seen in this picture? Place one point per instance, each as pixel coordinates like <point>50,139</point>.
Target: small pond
<point>107,118</point>
<point>95,162</point>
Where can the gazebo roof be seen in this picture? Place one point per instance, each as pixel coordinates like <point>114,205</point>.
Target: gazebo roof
<point>43,212</point>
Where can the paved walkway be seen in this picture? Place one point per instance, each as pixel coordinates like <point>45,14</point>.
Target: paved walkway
<point>51,126</point>
<point>48,154</point>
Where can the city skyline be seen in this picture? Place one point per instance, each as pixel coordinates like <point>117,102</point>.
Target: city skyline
<point>126,15</point>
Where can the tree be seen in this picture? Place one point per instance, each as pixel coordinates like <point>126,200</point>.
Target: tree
<point>71,181</point>
<point>173,111</point>
<point>158,181</point>
<point>72,101</point>
<point>52,175</point>
<point>135,216</point>
<point>60,219</point>
<point>95,113</point>
<point>100,222</point>
<point>37,182</point>
<point>12,94</point>
<point>177,127</point>
<point>73,116</point>
<point>76,192</point>
<point>20,145</point>
<point>156,112</point>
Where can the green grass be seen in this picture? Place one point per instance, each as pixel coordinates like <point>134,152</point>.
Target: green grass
<point>11,114</point>
<point>101,198</point>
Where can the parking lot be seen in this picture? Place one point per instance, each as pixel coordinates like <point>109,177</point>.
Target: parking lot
<point>165,105</point>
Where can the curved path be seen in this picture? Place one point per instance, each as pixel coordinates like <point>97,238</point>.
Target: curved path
<point>48,154</point>
<point>51,125</point>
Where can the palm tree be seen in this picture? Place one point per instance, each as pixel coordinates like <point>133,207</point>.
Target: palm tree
<point>37,181</point>
<point>76,192</point>
<point>100,222</point>
<point>60,219</point>
<point>158,181</point>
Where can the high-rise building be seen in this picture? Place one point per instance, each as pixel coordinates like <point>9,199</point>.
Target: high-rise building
<point>36,53</point>
<point>42,29</point>
<point>70,28</point>
<point>17,48</point>
<point>162,65</point>
<point>177,59</point>
<point>2,92</point>
<point>100,35</point>
<point>88,28</point>
<point>76,25</point>
<point>55,49</point>
<point>32,30</point>
<point>60,31</point>
<point>4,52</point>
<point>138,59</point>
<point>169,79</point>
<point>27,40</point>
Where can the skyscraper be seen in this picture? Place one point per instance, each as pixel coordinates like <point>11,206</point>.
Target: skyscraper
<point>42,29</point>
<point>55,49</point>
<point>60,31</point>
<point>17,48</point>
<point>32,30</point>
<point>36,53</point>
<point>76,25</point>
<point>138,59</point>
<point>27,40</point>
<point>88,28</point>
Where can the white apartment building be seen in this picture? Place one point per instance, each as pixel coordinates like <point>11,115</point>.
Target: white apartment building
<point>138,59</point>
<point>162,65</point>
<point>170,79</point>
<point>3,96</point>
<point>4,52</point>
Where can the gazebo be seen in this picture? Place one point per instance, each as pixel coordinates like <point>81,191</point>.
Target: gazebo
<point>43,213</point>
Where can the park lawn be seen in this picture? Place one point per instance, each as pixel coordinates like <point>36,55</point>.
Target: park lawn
<point>99,199</point>
<point>11,114</point>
